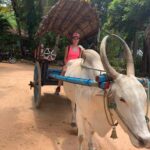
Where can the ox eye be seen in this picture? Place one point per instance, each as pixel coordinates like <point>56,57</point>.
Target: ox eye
<point>122,100</point>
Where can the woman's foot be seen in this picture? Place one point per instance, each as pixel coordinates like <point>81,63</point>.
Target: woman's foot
<point>57,91</point>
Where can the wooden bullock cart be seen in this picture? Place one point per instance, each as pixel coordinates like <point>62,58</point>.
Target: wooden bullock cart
<point>64,18</point>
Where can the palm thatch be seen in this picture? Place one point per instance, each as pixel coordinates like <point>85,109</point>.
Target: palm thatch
<point>68,16</point>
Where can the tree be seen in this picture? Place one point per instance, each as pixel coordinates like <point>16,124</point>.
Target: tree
<point>15,6</point>
<point>4,30</point>
<point>146,56</point>
<point>31,20</point>
<point>4,25</point>
<point>28,14</point>
<point>130,19</point>
<point>102,6</point>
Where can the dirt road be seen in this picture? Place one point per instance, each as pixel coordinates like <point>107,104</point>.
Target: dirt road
<point>22,127</point>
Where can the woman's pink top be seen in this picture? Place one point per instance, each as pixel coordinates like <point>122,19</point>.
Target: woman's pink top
<point>73,54</point>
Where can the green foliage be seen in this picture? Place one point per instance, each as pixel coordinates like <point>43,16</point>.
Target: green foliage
<point>8,15</point>
<point>49,40</point>
<point>6,39</point>
<point>115,55</point>
<point>4,25</point>
<point>138,11</point>
<point>102,6</point>
<point>128,16</point>
<point>137,64</point>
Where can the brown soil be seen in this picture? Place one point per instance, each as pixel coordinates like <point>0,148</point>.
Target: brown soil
<point>22,127</point>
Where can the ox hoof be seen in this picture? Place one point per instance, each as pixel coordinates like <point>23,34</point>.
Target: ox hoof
<point>73,124</point>
<point>92,148</point>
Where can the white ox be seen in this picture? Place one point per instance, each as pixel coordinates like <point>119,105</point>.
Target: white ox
<point>127,92</point>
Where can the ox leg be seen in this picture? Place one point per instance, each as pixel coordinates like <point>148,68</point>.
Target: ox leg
<point>73,120</point>
<point>81,128</point>
<point>89,134</point>
<point>81,139</point>
<point>90,143</point>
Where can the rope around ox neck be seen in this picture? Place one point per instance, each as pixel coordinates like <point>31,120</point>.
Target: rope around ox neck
<point>86,67</point>
<point>111,121</point>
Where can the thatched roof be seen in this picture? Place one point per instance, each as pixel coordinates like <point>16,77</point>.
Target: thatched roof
<point>68,16</point>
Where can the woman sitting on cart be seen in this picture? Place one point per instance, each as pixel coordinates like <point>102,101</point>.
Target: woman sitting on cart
<point>72,51</point>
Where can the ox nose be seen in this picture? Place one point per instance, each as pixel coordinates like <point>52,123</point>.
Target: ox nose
<point>144,142</point>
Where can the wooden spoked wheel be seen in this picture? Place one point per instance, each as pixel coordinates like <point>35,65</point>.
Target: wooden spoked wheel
<point>37,85</point>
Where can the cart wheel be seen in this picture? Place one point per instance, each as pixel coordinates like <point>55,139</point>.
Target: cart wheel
<point>37,85</point>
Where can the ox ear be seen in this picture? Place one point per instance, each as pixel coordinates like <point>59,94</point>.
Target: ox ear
<point>83,55</point>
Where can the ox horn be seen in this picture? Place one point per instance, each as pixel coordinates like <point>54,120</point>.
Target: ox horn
<point>128,56</point>
<point>109,69</point>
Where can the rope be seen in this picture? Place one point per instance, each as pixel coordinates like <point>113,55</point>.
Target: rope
<point>92,68</point>
<point>105,101</point>
<point>148,82</point>
<point>148,103</point>
<point>148,98</point>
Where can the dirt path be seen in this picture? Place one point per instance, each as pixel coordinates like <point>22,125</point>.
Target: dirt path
<point>22,127</point>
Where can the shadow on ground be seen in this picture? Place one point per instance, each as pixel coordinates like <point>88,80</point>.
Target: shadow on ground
<point>53,120</point>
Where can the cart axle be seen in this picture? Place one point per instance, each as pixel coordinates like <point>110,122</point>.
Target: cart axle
<point>31,84</point>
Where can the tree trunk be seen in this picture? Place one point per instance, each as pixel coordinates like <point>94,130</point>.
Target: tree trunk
<point>146,54</point>
<point>135,45</point>
<point>15,8</point>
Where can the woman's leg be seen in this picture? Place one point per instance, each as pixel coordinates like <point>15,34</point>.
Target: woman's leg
<point>60,82</point>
